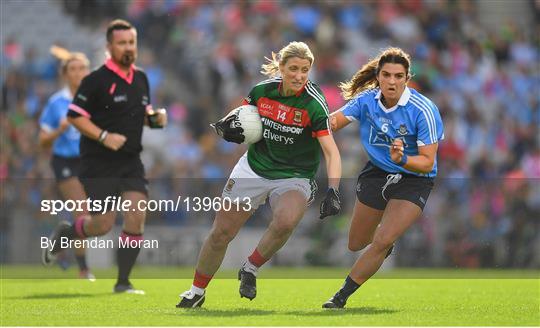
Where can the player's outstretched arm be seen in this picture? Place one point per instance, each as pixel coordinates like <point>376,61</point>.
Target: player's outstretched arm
<point>338,121</point>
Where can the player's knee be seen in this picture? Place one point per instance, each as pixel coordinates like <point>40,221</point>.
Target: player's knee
<point>382,242</point>
<point>220,238</point>
<point>355,246</point>
<point>283,227</point>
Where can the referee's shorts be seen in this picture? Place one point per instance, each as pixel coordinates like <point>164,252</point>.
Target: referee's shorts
<point>375,187</point>
<point>111,177</point>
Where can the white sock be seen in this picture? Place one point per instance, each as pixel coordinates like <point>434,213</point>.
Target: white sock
<point>197,290</point>
<point>250,267</point>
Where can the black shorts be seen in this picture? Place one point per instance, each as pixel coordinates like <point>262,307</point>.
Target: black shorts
<point>375,187</point>
<point>65,167</point>
<point>103,177</point>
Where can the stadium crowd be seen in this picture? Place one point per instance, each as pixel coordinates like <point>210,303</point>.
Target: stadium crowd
<point>202,56</point>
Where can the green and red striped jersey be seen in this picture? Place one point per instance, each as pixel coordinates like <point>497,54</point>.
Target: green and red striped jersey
<point>291,124</point>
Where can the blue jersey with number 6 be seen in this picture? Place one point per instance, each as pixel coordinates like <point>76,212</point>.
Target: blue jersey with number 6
<point>415,120</point>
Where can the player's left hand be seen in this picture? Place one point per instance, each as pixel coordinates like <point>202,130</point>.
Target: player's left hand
<point>331,205</point>
<point>396,150</point>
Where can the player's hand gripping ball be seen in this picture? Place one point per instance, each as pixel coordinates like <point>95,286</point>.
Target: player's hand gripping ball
<point>242,125</point>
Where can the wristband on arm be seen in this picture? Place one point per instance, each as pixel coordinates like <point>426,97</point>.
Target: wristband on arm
<point>102,136</point>
<point>403,160</point>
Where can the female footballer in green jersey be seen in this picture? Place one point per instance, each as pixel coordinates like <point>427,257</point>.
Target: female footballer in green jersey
<point>280,167</point>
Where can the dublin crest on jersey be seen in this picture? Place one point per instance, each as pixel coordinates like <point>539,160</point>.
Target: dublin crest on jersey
<point>402,130</point>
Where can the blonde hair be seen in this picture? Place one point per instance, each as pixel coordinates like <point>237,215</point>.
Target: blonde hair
<point>293,49</point>
<point>366,77</point>
<point>66,57</point>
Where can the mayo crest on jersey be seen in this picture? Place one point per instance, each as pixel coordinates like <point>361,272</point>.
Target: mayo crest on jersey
<point>291,124</point>
<point>415,120</point>
<point>67,143</point>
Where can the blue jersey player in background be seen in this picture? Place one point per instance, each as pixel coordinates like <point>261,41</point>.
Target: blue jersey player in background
<point>56,132</point>
<point>400,130</point>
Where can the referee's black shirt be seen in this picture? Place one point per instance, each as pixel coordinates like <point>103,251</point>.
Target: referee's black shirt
<point>116,103</point>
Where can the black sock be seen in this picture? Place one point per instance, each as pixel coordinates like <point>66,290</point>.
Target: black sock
<point>126,257</point>
<point>81,261</point>
<point>348,288</point>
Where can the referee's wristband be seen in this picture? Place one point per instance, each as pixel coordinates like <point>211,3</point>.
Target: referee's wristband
<point>403,160</point>
<point>103,135</point>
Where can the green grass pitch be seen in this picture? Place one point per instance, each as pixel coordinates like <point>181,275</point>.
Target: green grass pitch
<point>401,298</point>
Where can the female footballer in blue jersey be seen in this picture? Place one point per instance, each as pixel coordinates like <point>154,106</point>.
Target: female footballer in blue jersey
<point>400,130</point>
<point>57,133</point>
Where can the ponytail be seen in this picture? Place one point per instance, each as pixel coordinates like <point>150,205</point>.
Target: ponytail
<point>271,68</point>
<point>365,78</point>
<point>65,57</point>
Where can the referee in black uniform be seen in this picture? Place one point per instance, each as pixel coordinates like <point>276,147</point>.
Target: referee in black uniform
<point>109,109</point>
